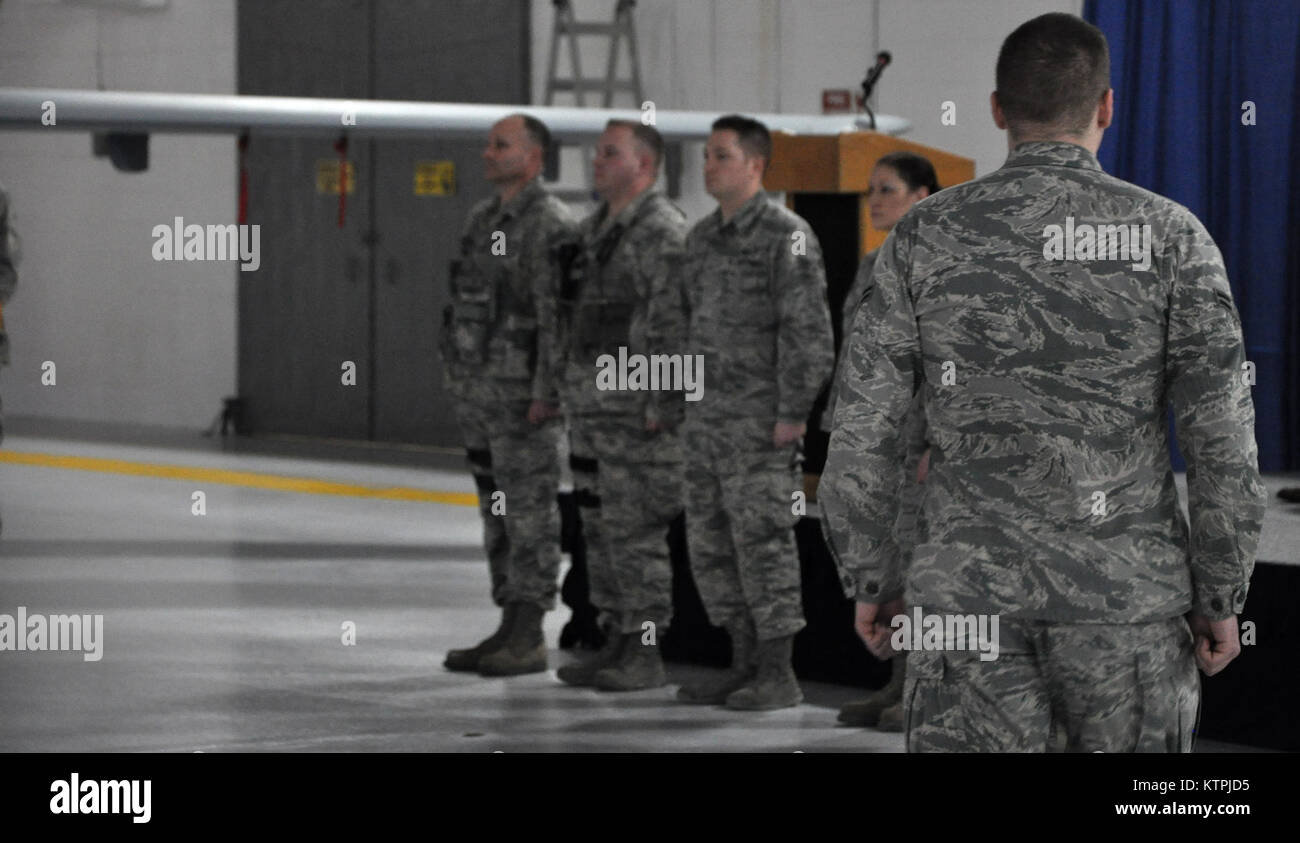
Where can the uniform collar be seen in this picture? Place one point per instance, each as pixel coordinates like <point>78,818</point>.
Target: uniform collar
<point>520,200</point>
<point>624,217</point>
<point>1052,154</point>
<point>745,217</point>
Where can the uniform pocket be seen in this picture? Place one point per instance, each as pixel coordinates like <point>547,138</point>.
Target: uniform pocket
<point>1169,689</point>
<point>749,306</point>
<point>472,317</point>
<point>600,328</point>
<point>515,347</point>
<point>922,693</point>
<point>469,319</point>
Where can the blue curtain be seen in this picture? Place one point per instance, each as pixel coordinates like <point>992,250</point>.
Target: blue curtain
<point>1181,70</point>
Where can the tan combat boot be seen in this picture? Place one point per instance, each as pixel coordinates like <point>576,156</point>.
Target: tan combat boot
<point>524,648</point>
<point>891,719</point>
<point>584,672</point>
<point>468,659</point>
<point>714,690</point>
<point>776,685</point>
<point>867,712</point>
<point>639,667</point>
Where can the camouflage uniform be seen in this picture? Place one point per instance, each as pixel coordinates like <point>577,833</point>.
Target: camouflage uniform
<point>910,524</point>
<point>1063,371</point>
<point>498,336</point>
<point>857,292</point>
<point>627,481</point>
<point>758,313</point>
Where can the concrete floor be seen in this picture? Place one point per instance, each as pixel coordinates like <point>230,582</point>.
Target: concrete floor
<point>223,631</point>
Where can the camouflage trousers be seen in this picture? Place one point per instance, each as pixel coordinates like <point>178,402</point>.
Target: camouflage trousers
<point>740,534</point>
<point>628,488</point>
<point>1091,687</point>
<point>510,455</point>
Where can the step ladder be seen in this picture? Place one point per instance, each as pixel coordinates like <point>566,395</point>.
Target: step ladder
<point>622,27</point>
<point>566,26</point>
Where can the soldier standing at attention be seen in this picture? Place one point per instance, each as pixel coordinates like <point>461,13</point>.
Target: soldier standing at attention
<point>755,292</point>
<point>618,292</point>
<point>1047,368</point>
<point>498,338</point>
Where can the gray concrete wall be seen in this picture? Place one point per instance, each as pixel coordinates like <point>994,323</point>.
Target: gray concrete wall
<point>133,340</point>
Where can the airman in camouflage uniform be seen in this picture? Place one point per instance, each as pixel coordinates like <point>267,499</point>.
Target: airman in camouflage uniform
<point>625,453</point>
<point>1050,500</point>
<point>755,290</point>
<point>498,337</point>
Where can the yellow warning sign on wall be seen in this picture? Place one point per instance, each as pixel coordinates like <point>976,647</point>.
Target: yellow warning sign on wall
<point>435,178</point>
<point>327,176</point>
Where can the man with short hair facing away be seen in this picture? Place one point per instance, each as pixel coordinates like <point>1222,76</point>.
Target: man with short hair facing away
<point>618,292</point>
<point>497,346</point>
<point>1050,501</point>
<point>755,292</point>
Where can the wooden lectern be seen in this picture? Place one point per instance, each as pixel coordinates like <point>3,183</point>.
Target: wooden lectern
<point>841,165</point>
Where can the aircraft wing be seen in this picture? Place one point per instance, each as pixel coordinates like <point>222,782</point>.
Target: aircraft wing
<point>41,109</point>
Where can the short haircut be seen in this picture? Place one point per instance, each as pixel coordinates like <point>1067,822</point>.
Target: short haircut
<point>753,136</point>
<point>916,171</point>
<point>1051,72</point>
<point>536,131</point>
<point>647,136</point>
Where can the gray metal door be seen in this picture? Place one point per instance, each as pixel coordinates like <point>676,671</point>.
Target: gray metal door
<point>371,293</point>
<point>306,312</point>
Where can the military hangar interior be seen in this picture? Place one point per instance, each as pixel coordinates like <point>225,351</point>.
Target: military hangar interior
<point>255,472</point>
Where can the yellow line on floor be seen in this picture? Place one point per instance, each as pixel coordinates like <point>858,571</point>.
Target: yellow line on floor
<point>251,479</point>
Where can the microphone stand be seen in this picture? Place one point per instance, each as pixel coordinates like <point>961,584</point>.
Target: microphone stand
<point>869,83</point>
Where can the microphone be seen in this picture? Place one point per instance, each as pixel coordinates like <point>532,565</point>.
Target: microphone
<point>883,59</point>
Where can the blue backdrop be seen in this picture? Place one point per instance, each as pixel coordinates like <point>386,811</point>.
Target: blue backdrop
<point>1181,73</point>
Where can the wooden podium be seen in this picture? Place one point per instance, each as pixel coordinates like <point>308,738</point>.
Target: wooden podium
<point>841,165</point>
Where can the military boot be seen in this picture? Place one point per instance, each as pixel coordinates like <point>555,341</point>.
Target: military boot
<point>891,719</point>
<point>775,685</point>
<point>867,712</point>
<point>714,690</point>
<point>523,650</point>
<point>639,667</point>
<point>584,672</point>
<point>468,659</point>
